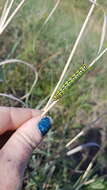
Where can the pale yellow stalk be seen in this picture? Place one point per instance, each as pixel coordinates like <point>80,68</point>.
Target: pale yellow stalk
<point>12,98</point>
<point>98,57</point>
<point>6,13</point>
<point>11,16</point>
<point>52,12</point>
<point>75,138</point>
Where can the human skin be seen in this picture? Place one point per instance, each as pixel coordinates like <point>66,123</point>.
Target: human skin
<point>15,153</point>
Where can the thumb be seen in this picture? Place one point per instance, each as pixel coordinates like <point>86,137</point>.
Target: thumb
<point>16,152</point>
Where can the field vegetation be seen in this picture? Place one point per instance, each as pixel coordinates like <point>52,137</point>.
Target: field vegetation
<point>84,107</point>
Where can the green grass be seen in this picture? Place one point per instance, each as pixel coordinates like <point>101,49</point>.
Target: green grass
<point>48,51</point>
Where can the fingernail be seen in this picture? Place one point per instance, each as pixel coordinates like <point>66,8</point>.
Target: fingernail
<point>44,125</point>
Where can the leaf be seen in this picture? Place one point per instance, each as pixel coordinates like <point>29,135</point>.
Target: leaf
<point>103,33</point>
<point>98,185</point>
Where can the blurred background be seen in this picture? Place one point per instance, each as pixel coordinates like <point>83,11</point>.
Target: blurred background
<point>83,107</point>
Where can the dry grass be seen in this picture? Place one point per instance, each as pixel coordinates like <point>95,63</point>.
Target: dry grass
<point>6,18</point>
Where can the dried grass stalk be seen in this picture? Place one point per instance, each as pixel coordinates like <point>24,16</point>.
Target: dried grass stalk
<point>10,96</point>
<point>81,147</point>
<point>52,12</point>
<point>103,33</point>
<point>5,18</point>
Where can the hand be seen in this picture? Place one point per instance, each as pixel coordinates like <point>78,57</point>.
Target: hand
<point>29,128</point>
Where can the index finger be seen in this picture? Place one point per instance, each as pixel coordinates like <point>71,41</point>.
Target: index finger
<point>12,118</point>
